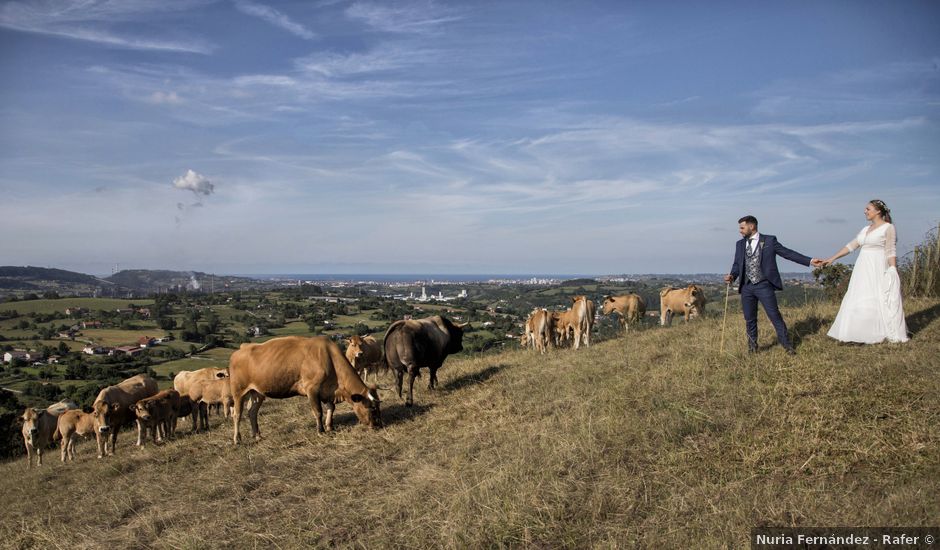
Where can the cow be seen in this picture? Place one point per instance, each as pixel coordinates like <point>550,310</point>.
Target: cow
<point>561,321</point>
<point>73,424</point>
<point>186,408</point>
<point>365,356</point>
<point>156,415</point>
<point>414,344</point>
<point>210,392</point>
<point>185,379</point>
<point>114,408</point>
<point>312,367</point>
<point>689,301</point>
<point>539,330</point>
<point>578,321</point>
<point>630,309</point>
<point>39,426</point>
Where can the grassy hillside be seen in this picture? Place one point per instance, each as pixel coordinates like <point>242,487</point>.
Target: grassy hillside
<point>652,440</point>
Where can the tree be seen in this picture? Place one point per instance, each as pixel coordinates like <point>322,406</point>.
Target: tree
<point>834,279</point>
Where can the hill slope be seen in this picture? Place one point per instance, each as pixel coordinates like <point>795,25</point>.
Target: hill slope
<point>39,279</point>
<point>651,440</point>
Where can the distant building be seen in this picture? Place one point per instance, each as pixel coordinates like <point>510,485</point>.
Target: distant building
<point>130,351</point>
<point>146,341</point>
<point>96,350</point>
<point>91,324</point>
<point>9,356</point>
<point>74,311</point>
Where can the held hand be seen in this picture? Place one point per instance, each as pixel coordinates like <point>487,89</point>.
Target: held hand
<point>728,279</point>
<point>816,262</point>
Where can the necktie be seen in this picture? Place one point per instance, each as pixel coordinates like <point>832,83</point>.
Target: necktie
<point>750,246</point>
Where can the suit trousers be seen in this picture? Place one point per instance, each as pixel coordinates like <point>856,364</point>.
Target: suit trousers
<point>764,293</point>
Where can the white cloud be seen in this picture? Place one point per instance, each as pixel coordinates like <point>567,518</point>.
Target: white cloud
<point>417,17</point>
<point>91,21</point>
<point>274,17</point>
<point>195,182</point>
<point>164,98</point>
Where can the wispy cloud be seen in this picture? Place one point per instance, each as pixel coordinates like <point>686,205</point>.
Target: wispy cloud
<point>416,17</point>
<point>274,17</point>
<point>92,21</point>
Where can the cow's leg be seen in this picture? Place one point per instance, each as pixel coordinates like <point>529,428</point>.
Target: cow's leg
<point>39,455</point>
<point>204,416</point>
<point>236,418</point>
<point>316,407</point>
<point>102,443</point>
<point>432,382</point>
<point>412,374</point>
<point>253,407</point>
<point>113,438</point>
<point>330,407</point>
<point>399,375</point>
<point>65,446</point>
<point>141,433</point>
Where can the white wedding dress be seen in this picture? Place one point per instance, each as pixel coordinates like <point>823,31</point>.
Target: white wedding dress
<point>871,310</point>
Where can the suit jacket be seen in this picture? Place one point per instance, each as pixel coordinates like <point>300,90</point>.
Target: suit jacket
<point>770,248</point>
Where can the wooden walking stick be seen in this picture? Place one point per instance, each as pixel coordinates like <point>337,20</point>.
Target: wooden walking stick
<point>724,319</point>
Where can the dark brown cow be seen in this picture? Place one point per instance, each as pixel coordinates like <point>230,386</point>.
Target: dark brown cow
<point>114,408</point>
<point>421,343</point>
<point>156,415</point>
<point>312,367</point>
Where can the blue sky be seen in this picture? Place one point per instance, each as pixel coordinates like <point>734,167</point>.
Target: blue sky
<point>472,137</point>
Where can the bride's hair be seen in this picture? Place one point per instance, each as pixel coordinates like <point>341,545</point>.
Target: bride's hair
<point>882,209</point>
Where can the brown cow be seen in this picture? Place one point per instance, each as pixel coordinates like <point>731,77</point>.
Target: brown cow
<point>578,321</point>
<point>562,327</point>
<point>364,353</point>
<point>418,343</point>
<point>630,308</point>
<point>39,426</point>
<point>156,415</point>
<point>539,330</point>
<point>73,424</point>
<point>210,392</point>
<point>312,367</point>
<point>689,301</point>
<point>114,408</point>
<point>184,379</point>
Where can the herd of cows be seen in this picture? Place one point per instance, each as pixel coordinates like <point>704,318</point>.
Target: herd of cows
<point>545,329</point>
<point>315,368</point>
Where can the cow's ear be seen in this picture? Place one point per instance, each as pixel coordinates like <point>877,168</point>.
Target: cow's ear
<point>357,398</point>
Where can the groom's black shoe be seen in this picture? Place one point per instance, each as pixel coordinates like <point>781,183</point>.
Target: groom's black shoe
<point>751,351</point>
<point>791,351</point>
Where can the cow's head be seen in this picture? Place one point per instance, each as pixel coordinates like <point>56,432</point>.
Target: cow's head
<point>144,410</point>
<point>524,341</point>
<point>367,407</point>
<point>455,333</point>
<point>354,343</point>
<point>104,413</point>
<point>31,419</point>
<point>608,306</point>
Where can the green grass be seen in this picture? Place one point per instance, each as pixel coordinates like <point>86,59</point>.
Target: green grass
<point>93,304</point>
<point>651,440</point>
<point>118,337</point>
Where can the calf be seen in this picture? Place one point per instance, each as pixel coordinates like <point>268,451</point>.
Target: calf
<point>73,424</point>
<point>155,415</point>
<point>365,356</point>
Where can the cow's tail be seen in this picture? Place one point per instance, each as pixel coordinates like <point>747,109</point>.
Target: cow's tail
<point>57,435</point>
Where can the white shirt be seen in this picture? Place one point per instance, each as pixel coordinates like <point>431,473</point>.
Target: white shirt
<point>754,240</point>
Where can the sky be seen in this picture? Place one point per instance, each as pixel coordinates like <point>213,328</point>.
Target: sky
<point>468,137</point>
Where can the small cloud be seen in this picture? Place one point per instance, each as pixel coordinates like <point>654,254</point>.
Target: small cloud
<point>195,182</point>
<point>100,189</point>
<point>274,17</point>
<point>164,98</point>
<point>419,18</point>
<point>832,220</point>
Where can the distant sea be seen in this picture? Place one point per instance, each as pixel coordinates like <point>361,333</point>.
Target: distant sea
<point>407,277</point>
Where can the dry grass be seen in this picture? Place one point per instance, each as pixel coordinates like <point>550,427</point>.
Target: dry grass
<point>650,441</point>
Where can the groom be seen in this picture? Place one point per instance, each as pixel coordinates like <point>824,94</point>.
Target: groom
<point>755,261</point>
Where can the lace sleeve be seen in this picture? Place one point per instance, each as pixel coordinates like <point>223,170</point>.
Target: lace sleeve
<point>891,242</point>
<point>853,244</point>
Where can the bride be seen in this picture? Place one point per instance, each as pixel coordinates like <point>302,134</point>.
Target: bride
<point>871,310</point>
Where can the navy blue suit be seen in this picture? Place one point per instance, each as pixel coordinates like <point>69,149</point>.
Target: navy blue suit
<point>764,291</point>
